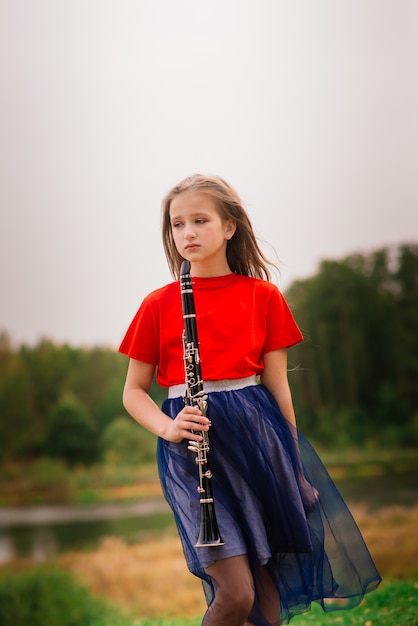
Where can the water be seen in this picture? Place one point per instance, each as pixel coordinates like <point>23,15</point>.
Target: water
<point>41,532</point>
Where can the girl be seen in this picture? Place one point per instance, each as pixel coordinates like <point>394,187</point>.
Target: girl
<point>289,538</point>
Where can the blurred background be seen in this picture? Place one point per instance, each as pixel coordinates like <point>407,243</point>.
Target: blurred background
<point>309,111</point>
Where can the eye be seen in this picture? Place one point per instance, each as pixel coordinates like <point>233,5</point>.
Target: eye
<point>201,220</point>
<point>175,224</point>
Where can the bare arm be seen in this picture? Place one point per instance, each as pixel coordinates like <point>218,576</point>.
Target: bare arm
<point>142,408</point>
<point>274,377</point>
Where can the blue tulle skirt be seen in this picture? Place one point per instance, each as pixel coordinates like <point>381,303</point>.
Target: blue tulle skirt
<point>314,555</point>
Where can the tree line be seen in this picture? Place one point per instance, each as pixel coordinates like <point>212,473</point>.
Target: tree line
<point>353,379</point>
<point>356,375</point>
<point>66,402</point>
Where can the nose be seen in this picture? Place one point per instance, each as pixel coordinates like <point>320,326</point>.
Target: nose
<point>189,232</point>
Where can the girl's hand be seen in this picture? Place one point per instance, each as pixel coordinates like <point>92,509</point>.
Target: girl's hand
<point>309,494</point>
<point>190,418</point>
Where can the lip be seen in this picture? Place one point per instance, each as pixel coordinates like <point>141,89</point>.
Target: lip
<point>192,246</point>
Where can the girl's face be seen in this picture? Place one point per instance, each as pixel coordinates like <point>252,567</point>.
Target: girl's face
<point>200,234</point>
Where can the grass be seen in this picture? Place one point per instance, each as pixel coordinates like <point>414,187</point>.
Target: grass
<point>393,604</point>
<point>149,580</point>
<point>48,596</point>
<point>150,585</point>
<point>139,576</point>
<point>48,481</point>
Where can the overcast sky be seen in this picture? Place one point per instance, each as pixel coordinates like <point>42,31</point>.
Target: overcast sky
<point>308,108</point>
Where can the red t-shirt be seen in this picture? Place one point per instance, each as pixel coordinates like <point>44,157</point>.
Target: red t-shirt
<point>238,320</point>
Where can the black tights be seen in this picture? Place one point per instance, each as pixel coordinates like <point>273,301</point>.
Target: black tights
<point>234,594</point>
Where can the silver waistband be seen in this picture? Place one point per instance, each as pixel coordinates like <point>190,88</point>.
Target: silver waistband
<point>211,386</point>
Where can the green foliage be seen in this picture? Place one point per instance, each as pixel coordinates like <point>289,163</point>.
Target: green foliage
<point>357,370</point>
<point>157,393</point>
<point>393,604</point>
<point>47,471</point>
<point>16,428</point>
<point>71,434</point>
<point>184,621</point>
<point>110,404</point>
<point>354,382</point>
<point>125,442</point>
<point>48,596</point>
<point>37,381</point>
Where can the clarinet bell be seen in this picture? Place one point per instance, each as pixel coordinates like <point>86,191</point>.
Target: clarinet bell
<point>209,535</point>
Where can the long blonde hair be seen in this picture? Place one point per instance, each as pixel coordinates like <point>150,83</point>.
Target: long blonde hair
<point>242,252</point>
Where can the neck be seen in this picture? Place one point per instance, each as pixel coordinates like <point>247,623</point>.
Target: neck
<point>201,270</point>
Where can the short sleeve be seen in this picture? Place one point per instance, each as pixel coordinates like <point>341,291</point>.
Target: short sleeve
<point>141,340</point>
<point>282,330</point>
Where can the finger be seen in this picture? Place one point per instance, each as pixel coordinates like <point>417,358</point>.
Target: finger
<point>195,418</point>
<point>194,437</point>
<point>195,426</point>
<point>192,410</point>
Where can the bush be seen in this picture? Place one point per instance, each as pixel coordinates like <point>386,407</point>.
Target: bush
<point>124,442</point>
<point>48,596</point>
<point>71,434</point>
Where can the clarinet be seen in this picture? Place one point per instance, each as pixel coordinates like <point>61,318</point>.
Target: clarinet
<point>195,396</point>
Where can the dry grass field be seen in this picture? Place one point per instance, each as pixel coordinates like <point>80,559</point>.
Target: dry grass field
<point>150,579</point>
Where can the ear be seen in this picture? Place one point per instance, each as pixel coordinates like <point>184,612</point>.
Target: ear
<point>230,228</point>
